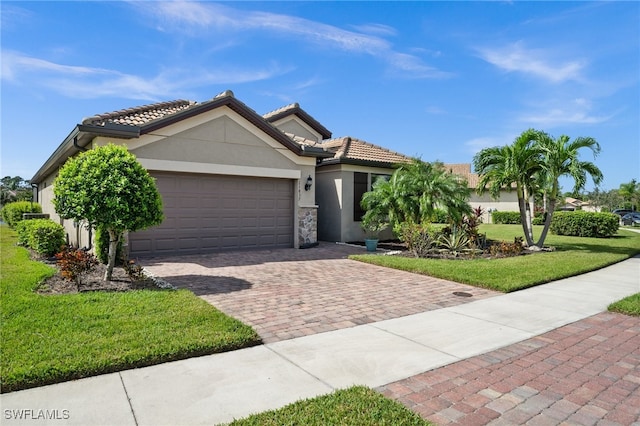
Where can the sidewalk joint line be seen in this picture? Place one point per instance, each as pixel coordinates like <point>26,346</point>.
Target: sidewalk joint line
<point>300,367</point>
<point>133,413</point>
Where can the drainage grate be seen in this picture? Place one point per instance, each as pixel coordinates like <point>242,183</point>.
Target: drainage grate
<point>462,294</point>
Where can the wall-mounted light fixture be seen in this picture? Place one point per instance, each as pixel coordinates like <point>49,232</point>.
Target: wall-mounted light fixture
<point>307,186</point>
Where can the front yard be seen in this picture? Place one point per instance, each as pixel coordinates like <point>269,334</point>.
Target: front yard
<point>53,338</point>
<point>572,256</point>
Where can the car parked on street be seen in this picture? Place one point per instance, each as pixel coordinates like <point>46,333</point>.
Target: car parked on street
<point>632,219</point>
<point>622,212</point>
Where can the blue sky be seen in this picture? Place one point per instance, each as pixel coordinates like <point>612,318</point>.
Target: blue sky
<point>439,80</point>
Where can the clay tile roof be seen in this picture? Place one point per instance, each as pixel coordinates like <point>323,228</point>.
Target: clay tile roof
<point>347,148</point>
<point>287,108</point>
<point>138,116</point>
<point>303,141</point>
<point>463,170</point>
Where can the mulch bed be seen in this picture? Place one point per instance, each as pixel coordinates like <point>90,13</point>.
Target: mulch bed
<point>92,280</point>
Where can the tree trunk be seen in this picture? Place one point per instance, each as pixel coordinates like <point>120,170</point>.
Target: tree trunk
<point>522,205</point>
<point>114,238</point>
<point>547,222</point>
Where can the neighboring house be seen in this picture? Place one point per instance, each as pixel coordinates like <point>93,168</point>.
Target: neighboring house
<point>507,201</point>
<point>233,179</point>
<point>572,204</point>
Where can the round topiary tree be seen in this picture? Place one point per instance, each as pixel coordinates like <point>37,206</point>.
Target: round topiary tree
<point>108,188</point>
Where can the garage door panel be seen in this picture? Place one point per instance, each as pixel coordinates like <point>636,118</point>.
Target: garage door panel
<point>204,213</point>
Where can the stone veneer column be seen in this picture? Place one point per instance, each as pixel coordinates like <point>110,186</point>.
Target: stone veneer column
<point>307,226</point>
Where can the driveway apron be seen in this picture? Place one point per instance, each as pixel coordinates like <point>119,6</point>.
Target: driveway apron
<point>289,293</point>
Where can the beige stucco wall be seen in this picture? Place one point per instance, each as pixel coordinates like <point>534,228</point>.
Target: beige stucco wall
<point>294,125</point>
<point>335,201</point>
<point>508,202</point>
<point>77,235</point>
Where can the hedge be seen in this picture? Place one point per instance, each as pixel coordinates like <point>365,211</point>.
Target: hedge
<point>12,213</point>
<point>506,218</point>
<point>585,224</point>
<point>42,235</point>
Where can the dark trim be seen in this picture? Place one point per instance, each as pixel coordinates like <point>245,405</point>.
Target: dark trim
<point>296,110</point>
<point>356,162</point>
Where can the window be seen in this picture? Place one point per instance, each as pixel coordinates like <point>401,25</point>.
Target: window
<point>360,186</point>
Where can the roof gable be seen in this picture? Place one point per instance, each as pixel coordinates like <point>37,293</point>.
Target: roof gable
<point>294,109</point>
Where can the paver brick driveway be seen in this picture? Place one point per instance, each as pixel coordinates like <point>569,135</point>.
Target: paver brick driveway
<point>287,293</point>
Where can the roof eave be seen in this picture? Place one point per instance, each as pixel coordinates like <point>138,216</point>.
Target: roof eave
<point>82,133</point>
<point>358,162</point>
<point>315,124</point>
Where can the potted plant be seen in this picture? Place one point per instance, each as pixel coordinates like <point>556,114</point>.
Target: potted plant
<point>372,225</point>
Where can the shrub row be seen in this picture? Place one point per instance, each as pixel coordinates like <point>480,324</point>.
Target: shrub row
<point>506,218</point>
<point>12,213</point>
<point>585,224</point>
<point>42,235</point>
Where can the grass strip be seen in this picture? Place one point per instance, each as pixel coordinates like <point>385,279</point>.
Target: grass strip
<point>355,406</point>
<point>572,256</point>
<point>53,338</point>
<point>629,305</point>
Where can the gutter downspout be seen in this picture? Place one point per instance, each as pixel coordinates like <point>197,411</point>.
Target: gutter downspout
<point>78,147</point>
<point>34,192</point>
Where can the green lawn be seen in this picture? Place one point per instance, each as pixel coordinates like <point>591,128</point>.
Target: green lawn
<point>53,338</point>
<point>355,406</point>
<point>629,305</point>
<point>573,256</point>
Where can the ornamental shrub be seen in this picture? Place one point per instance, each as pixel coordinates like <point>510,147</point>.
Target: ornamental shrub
<point>74,263</point>
<point>43,235</point>
<point>12,212</point>
<point>420,238</point>
<point>506,218</point>
<point>585,224</point>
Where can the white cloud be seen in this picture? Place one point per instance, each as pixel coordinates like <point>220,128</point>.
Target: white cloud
<point>559,112</point>
<point>558,117</point>
<point>379,29</point>
<point>478,144</point>
<point>538,62</point>
<point>184,16</point>
<point>87,82</point>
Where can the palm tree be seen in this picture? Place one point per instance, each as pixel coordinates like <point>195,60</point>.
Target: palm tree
<point>516,165</point>
<point>415,191</point>
<point>630,193</point>
<point>560,157</point>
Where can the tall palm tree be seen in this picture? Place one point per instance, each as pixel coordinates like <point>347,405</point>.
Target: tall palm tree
<point>560,157</point>
<point>512,166</point>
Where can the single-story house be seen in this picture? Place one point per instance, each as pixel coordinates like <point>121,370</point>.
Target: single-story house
<point>231,178</point>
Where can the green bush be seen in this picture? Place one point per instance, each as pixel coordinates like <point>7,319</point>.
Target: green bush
<point>12,212</point>
<point>102,246</point>
<point>506,218</point>
<point>23,228</point>
<point>419,238</point>
<point>585,224</point>
<point>439,216</point>
<point>45,236</point>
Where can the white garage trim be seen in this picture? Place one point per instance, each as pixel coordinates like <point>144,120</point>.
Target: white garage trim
<point>218,169</point>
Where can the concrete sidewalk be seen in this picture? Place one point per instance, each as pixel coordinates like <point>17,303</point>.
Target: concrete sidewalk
<point>218,388</point>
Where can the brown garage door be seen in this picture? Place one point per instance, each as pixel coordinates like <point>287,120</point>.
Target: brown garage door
<point>204,213</point>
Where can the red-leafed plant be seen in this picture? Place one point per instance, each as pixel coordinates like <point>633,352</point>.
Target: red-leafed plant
<point>74,263</point>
